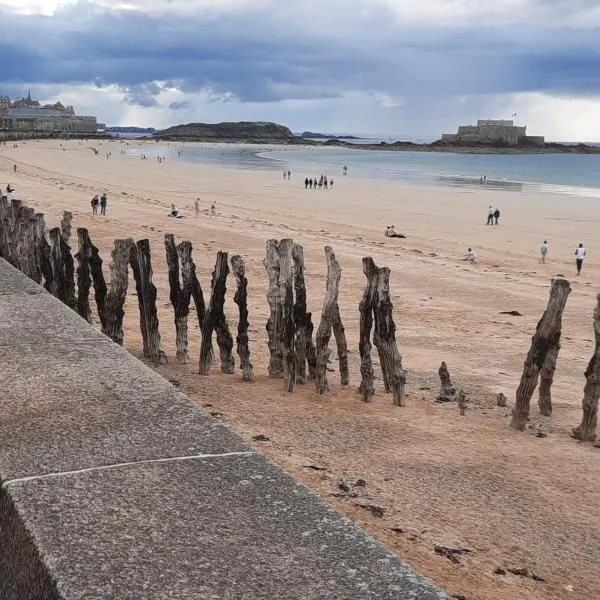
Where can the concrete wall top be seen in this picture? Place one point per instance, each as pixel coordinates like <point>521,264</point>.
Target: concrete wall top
<point>113,485</point>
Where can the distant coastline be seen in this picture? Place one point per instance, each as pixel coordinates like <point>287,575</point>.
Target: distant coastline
<point>249,132</point>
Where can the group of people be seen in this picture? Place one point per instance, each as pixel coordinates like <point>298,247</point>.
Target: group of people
<point>493,216</point>
<point>102,202</point>
<point>580,254</point>
<point>321,183</point>
<point>177,214</point>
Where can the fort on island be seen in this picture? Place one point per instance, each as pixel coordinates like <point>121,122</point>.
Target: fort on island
<point>27,118</point>
<point>493,132</point>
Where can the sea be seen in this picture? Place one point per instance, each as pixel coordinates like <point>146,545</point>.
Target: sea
<point>568,174</point>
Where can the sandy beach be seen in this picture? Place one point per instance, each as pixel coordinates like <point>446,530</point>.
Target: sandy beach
<point>513,499</point>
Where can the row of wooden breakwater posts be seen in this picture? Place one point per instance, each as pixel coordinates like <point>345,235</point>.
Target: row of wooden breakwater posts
<point>46,258</point>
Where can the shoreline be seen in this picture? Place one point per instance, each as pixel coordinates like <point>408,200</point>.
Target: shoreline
<point>443,181</point>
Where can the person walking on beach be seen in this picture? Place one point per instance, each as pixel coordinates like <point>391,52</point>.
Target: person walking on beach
<point>543,251</point>
<point>95,205</point>
<point>490,219</point>
<point>15,168</point>
<point>579,256</point>
<point>306,183</point>
<point>496,216</point>
<point>197,208</point>
<point>103,203</point>
<point>213,209</point>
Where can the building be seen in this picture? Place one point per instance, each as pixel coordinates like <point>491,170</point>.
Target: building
<point>493,132</point>
<point>27,118</point>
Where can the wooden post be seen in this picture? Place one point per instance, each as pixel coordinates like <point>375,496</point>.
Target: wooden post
<point>180,299</point>
<point>25,243</point>
<point>215,321</point>
<point>365,307</point>
<point>300,314</point>
<point>288,327</point>
<point>546,379</point>
<point>329,315</point>
<point>547,334</point>
<point>149,297</point>
<point>341,344</point>
<point>8,217</point>
<point>241,299</point>
<point>384,339</point>
<point>274,322</point>
<point>134,263</point>
<point>311,350</point>
<point>462,403</point>
<point>43,252</point>
<point>5,211</point>
<point>63,269</point>
<point>113,312</point>
<point>586,431</point>
<point>447,392</point>
<point>65,226</point>
<point>84,277</point>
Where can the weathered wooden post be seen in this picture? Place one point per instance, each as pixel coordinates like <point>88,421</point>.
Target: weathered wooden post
<point>329,315</point>
<point>113,311</point>
<point>149,300</point>
<point>447,391</point>
<point>84,277</point>
<point>190,280</point>
<point>586,431</point>
<point>63,269</point>
<point>286,300</point>
<point>134,264</point>
<point>546,379</point>
<point>25,242</point>
<point>311,350</point>
<point>547,334</point>
<point>384,339</point>
<point>300,314</point>
<point>274,322</point>
<point>365,307</point>
<point>4,226</point>
<point>180,299</point>
<point>43,251</point>
<point>215,321</point>
<point>241,299</point>
<point>65,225</point>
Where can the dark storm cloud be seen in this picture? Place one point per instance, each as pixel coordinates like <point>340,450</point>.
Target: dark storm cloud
<point>261,56</point>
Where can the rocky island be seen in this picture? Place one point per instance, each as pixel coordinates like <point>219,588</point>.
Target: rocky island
<point>487,137</point>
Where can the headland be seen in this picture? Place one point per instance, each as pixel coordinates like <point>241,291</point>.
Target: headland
<point>487,137</point>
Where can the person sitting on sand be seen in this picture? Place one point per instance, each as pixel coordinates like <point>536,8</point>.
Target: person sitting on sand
<point>471,256</point>
<point>9,189</point>
<point>391,232</point>
<point>175,212</point>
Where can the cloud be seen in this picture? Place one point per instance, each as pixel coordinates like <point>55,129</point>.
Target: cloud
<point>401,64</point>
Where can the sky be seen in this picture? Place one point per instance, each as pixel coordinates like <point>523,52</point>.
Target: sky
<point>403,68</point>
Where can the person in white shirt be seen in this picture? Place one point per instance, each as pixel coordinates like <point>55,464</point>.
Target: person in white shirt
<point>579,256</point>
<point>471,256</point>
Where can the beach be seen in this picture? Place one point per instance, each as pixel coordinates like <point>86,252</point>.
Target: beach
<point>515,500</point>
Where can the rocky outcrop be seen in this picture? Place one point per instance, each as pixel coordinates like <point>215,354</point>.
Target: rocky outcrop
<point>243,131</point>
